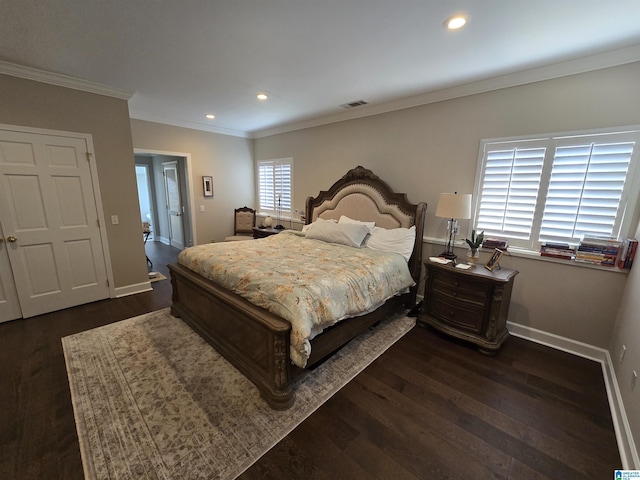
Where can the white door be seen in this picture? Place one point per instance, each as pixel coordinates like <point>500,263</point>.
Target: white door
<point>49,217</point>
<point>174,204</point>
<point>9,303</point>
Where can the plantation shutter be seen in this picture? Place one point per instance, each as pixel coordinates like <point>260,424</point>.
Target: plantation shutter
<point>274,186</point>
<point>509,191</point>
<point>585,191</point>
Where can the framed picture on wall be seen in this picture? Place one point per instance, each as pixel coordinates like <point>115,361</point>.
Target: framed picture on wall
<point>493,261</point>
<point>207,185</point>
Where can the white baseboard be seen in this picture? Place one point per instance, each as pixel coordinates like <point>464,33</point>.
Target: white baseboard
<point>132,289</point>
<point>626,443</point>
<point>624,436</point>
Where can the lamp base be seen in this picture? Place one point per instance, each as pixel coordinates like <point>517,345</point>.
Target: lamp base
<point>452,227</point>
<point>448,255</point>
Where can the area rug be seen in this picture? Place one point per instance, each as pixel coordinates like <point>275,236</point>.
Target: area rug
<point>152,400</point>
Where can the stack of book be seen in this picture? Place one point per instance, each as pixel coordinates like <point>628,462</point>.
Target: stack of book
<point>557,250</point>
<point>627,253</point>
<point>494,243</point>
<point>598,251</point>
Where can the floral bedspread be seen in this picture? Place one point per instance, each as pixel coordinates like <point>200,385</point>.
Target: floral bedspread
<point>310,283</point>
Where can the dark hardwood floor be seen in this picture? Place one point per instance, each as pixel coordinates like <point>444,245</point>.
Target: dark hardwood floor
<point>429,408</point>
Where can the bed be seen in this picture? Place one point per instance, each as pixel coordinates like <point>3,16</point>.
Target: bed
<point>257,341</point>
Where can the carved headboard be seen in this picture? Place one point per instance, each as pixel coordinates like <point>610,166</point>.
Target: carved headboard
<point>362,195</point>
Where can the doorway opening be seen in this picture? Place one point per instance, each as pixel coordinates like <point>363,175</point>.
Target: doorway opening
<point>166,202</point>
<point>145,198</point>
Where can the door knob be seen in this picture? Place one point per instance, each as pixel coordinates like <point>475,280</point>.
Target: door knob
<point>11,239</point>
<point>1,239</point>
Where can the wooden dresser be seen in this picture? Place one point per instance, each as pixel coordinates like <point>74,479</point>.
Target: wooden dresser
<point>469,304</point>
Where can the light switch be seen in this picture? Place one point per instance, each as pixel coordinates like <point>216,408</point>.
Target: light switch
<point>202,208</point>
<point>115,220</point>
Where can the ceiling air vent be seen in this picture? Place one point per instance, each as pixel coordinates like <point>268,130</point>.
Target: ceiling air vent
<point>357,103</point>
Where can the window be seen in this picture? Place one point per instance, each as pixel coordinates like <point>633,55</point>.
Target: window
<point>557,188</point>
<point>275,186</point>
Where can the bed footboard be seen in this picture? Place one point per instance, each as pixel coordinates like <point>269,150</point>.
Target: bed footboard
<point>252,339</point>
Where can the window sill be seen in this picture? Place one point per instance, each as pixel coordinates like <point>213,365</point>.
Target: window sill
<point>531,255</point>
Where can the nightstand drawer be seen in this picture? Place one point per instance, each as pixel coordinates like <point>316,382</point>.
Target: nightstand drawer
<point>458,314</point>
<point>460,288</point>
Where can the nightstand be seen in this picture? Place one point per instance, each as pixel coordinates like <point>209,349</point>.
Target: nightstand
<point>468,304</point>
<point>265,232</point>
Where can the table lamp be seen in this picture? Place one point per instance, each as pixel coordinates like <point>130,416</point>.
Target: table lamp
<point>453,206</point>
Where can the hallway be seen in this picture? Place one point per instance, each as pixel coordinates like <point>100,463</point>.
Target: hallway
<point>160,255</point>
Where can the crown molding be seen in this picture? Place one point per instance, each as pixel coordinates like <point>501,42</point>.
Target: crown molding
<point>136,115</point>
<point>557,70</point>
<point>61,80</point>
<point>561,69</point>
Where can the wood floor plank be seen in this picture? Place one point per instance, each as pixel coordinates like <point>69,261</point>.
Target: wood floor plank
<point>519,450</point>
<point>575,431</point>
<point>520,471</point>
<point>417,459</point>
<point>479,458</point>
<point>285,460</point>
<point>470,406</point>
<point>327,426</point>
<point>477,377</point>
<point>376,462</point>
<point>546,444</point>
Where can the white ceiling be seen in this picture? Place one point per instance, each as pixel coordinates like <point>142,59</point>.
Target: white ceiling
<point>184,59</point>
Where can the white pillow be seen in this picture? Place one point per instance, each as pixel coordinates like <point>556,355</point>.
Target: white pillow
<point>345,219</point>
<point>319,220</point>
<point>348,234</point>
<point>397,240</point>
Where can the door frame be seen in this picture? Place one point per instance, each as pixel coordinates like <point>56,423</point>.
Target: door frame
<point>173,165</point>
<point>93,168</point>
<point>151,201</point>
<point>191,231</point>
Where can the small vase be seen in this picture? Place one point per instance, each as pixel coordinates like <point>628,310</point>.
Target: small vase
<point>268,221</point>
<point>472,257</point>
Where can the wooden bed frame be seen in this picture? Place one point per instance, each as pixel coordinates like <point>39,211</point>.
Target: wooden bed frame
<point>256,341</point>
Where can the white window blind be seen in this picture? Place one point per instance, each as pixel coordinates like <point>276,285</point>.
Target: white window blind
<point>509,191</point>
<point>558,188</point>
<point>585,190</point>
<point>275,179</point>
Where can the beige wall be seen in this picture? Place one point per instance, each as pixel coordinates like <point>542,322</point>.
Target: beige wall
<point>627,333</point>
<point>228,159</point>
<point>39,105</point>
<point>430,149</point>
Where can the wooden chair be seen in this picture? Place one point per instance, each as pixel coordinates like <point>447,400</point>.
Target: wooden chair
<point>243,223</point>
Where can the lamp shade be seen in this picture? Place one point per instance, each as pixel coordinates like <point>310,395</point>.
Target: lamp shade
<point>454,205</point>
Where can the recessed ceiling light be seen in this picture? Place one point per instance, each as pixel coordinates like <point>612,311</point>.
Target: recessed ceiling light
<point>210,116</point>
<point>262,96</point>
<point>455,22</point>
